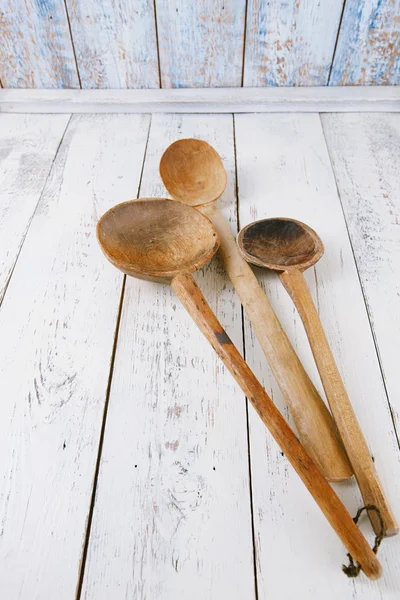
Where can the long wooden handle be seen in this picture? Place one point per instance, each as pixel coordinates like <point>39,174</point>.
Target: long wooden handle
<point>313,421</point>
<point>349,429</point>
<point>337,515</point>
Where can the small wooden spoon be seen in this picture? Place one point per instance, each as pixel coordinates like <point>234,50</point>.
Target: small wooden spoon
<point>290,247</point>
<point>192,172</point>
<point>166,241</point>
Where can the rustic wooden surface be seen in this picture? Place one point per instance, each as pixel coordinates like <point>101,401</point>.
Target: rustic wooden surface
<point>28,146</point>
<point>36,49</point>
<point>368,44</point>
<point>172,526</point>
<point>175,43</point>
<point>57,328</point>
<point>201,43</point>
<point>290,43</point>
<point>365,153</point>
<point>115,43</point>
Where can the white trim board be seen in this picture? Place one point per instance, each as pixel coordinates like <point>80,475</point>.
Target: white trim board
<point>203,100</point>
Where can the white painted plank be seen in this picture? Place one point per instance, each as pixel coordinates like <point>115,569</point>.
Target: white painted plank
<point>290,43</point>
<point>28,145</point>
<point>115,43</point>
<point>172,516</point>
<point>368,48</point>
<point>35,45</point>
<point>365,152</point>
<point>57,326</point>
<point>327,99</point>
<point>201,43</point>
<point>284,170</point>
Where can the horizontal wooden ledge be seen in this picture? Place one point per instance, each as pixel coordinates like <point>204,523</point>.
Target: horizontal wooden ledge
<point>203,100</point>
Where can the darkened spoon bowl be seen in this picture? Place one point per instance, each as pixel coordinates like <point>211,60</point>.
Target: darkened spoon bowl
<point>279,244</point>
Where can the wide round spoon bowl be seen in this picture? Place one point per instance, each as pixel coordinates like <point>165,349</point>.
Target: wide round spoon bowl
<point>164,240</point>
<point>156,239</point>
<point>290,247</point>
<point>193,173</point>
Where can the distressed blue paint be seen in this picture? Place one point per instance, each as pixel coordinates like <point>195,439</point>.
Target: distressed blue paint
<point>290,43</point>
<point>115,43</point>
<point>35,45</point>
<point>201,43</point>
<point>369,44</point>
<point>375,15</point>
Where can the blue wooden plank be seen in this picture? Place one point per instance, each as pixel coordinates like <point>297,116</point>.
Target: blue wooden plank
<point>368,49</point>
<point>290,43</point>
<point>35,45</point>
<point>201,43</point>
<point>115,43</point>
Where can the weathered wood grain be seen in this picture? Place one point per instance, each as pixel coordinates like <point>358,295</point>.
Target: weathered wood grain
<point>172,516</point>
<point>365,153</point>
<point>57,326</point>
<point>368,48</point>
<point>284,170</point>
<point>201,43</point>
<point>28,145</point>
<point>290,43</point>
<point>35,45</point>
<point>115,43</point>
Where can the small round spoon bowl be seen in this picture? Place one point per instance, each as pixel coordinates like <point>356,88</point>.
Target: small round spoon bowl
<point>290,247</point>
<point>279,244</point>
<point>164,240</point>
<point>156,239</point>
<point>193,172</point>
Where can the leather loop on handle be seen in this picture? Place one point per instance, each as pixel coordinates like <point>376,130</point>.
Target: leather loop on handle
<point>342,411</point>
<point>193,300</point>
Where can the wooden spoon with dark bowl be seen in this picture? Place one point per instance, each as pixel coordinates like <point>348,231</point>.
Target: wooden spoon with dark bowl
<point>290,247</point>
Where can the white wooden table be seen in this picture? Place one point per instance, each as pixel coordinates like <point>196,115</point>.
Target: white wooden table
<point>131,465</point>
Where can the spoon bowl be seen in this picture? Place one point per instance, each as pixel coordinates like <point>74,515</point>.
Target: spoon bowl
<point>156,239</point>
<point>279,244</point>
<point>193,172</point>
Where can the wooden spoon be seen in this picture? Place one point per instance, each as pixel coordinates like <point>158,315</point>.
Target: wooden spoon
<point>192,172</point>
<point>166,241</point>
<point>290,247</point>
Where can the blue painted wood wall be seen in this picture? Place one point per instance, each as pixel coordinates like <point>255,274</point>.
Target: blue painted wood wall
<point>198,43</point>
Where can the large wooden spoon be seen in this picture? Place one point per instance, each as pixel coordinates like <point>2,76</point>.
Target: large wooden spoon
<point>192,172</point>
<point>166,241</point>
<point>290,247</point>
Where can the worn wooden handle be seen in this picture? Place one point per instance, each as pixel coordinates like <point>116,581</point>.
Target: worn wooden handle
<point>337,515</point>
<point>313,421</point>
<point>349,429</point>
